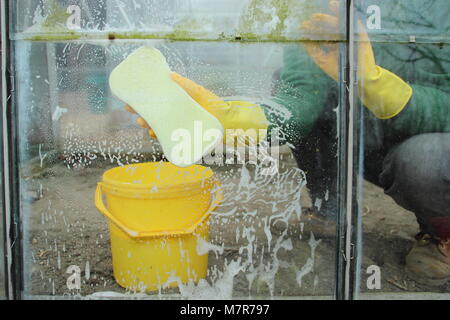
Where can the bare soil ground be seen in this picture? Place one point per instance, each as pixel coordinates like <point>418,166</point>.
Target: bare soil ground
<point>62,227</point>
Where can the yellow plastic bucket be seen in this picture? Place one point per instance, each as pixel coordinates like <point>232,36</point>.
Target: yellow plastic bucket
<point>157,215</point>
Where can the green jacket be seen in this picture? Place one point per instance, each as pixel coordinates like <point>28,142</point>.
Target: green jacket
<point>305,90</point>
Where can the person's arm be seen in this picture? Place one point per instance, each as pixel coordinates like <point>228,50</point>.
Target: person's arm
<point>243,122</point>
<point>381,91</point>
<point>303,90</point>
<point>427,111</point>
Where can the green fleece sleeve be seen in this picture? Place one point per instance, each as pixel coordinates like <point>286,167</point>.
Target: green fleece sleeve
<point>302,90</point>
<point>427,111</point>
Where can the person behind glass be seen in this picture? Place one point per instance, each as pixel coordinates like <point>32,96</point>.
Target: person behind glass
<point>403,90</point>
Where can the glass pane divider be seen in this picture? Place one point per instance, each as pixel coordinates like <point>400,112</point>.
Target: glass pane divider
<point>10,186</point>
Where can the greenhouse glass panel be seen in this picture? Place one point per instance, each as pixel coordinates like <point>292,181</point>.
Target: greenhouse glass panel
<point>103,212</point>
<point>403,72</point>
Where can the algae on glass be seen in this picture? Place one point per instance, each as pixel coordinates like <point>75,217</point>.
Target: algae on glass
<point>50,23</point>
<point>276,19</point>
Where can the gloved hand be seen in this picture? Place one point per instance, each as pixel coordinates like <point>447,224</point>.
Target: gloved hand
<point>233,115</point>
<point>381,91</point>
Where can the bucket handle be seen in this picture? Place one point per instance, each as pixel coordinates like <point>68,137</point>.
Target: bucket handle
<point>146,234</point>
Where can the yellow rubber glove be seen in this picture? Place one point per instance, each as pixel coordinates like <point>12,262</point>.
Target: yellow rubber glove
<point>236,117</point>
<point>381,91</point>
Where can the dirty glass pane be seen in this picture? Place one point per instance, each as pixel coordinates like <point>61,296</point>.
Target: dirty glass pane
<point>404,209</point>
<point>180,19</point>
<point>274,232</point>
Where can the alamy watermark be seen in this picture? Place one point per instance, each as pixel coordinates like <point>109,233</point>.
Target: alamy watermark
<point>374,278</point>
<point>236,146</point>
<point>74,20</point>
<point>74,280</point>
